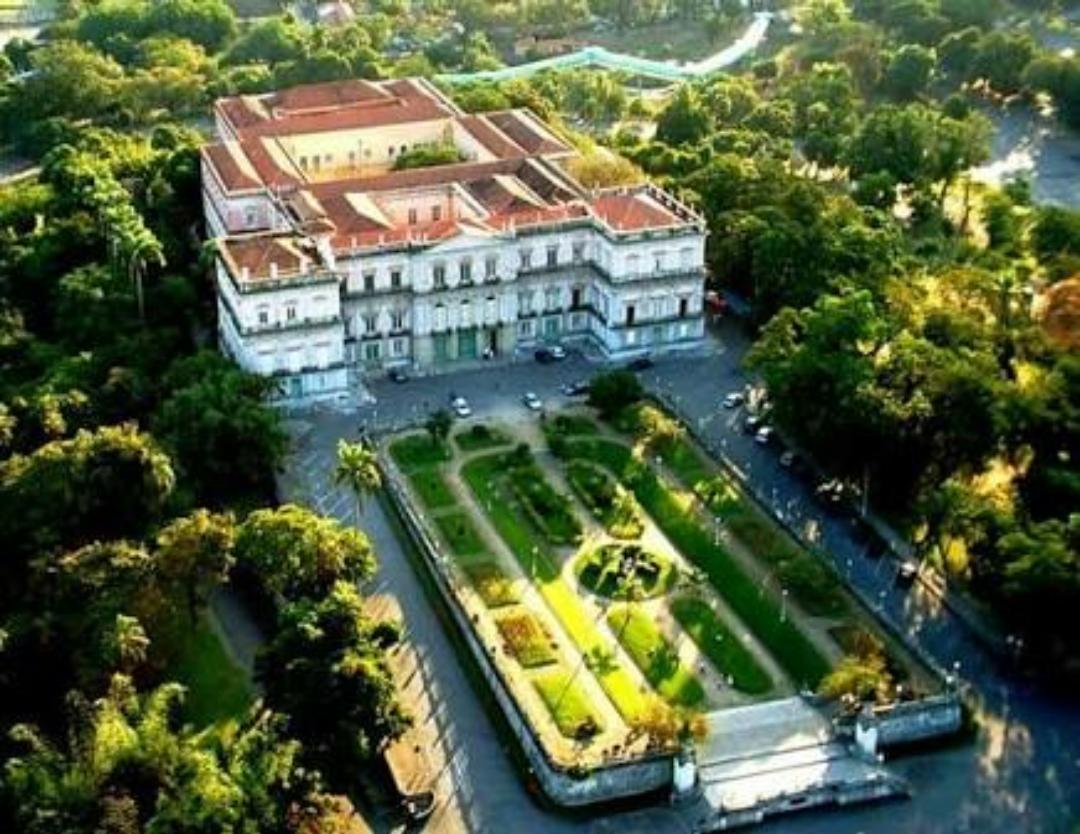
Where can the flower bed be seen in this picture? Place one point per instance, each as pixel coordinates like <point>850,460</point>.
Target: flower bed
<point>525,639</point>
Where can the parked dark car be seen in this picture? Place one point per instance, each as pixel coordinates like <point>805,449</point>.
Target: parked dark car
<point>642,363</point>
<point>398,375</point>
<point>545,356</point>
<point>575,389</point>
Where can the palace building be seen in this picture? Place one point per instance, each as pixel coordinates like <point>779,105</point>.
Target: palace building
<point>338,257</point>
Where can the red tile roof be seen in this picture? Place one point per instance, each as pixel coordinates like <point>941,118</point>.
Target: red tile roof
<point>338,105</point>
<point>629,212</point>
<point>491,137</point>
<point>526,132</point>
<point>262,255</point>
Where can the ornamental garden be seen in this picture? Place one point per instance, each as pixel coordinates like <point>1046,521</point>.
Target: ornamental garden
<point>625,587</point>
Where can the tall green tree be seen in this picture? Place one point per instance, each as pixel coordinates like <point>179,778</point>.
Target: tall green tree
<point>298,554</point>
<point>327,669</point>
<point>357,468</point>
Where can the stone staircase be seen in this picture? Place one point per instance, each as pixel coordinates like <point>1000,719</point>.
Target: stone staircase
<point>778,757</point>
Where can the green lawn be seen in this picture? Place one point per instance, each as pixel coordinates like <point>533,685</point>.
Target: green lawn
<point>217,689</point>
<point>656,658</point>
<point>461,536</point>
<point>484,477</point>
<point>566,701</point>
<point>430,485</point>
<point>720,645</point>
<point>546,508</point>
<point>418,450</point>
<point>480,437</point>
<point>525,639</point>
<point>684,461</point>
<point>761,613</point>
<point>612,507</point>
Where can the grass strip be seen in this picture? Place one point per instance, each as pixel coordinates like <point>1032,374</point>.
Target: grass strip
<point>655,656</point>
<point>568,704</point>
<point>719,643</point>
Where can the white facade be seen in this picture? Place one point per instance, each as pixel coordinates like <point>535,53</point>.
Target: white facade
<point>308,304</point>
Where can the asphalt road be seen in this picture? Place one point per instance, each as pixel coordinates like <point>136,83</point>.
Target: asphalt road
<point>1020,774</point>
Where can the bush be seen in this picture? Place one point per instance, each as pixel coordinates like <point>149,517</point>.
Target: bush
<point>427,156</point>
<point>495,588</point>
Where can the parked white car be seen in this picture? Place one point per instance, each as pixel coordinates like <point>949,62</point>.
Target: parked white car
<point>460,407</point>
<point>532,402</point>
<point>734,399</point>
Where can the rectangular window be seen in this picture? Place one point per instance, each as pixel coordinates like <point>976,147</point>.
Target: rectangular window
<point>552,298</point>
<point>552,256</point>
<point>526,258</point>
<point>412,217</point>
<point>684,307</point>
<point>395,279</point>
<point>577,252</point>
<point>264,316</point>
<point>659,261</point>
<point>290,312</point>
<point>465,272</point>
<point>491,269</point>
<point>303,163</point>
<point>371,323</point>
<point>575,298</point>
<point>525,302</point>
<point>397,347</point>
<point>371,351</point>
<point>525,329</point>
<point>436,213</point>
<point>439,274</point>
<point>397,320</point>
<point>369,282</point>
<point>630,311</point>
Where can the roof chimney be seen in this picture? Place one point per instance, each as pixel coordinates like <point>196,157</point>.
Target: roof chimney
<point>273,270</point>
<point>245,274</point>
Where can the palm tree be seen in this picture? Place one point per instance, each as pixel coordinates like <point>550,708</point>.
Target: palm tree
<point>357,467</point>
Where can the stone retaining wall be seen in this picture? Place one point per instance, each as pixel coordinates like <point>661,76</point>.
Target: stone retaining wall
<point>909,722</point>
<point>617,780</point>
